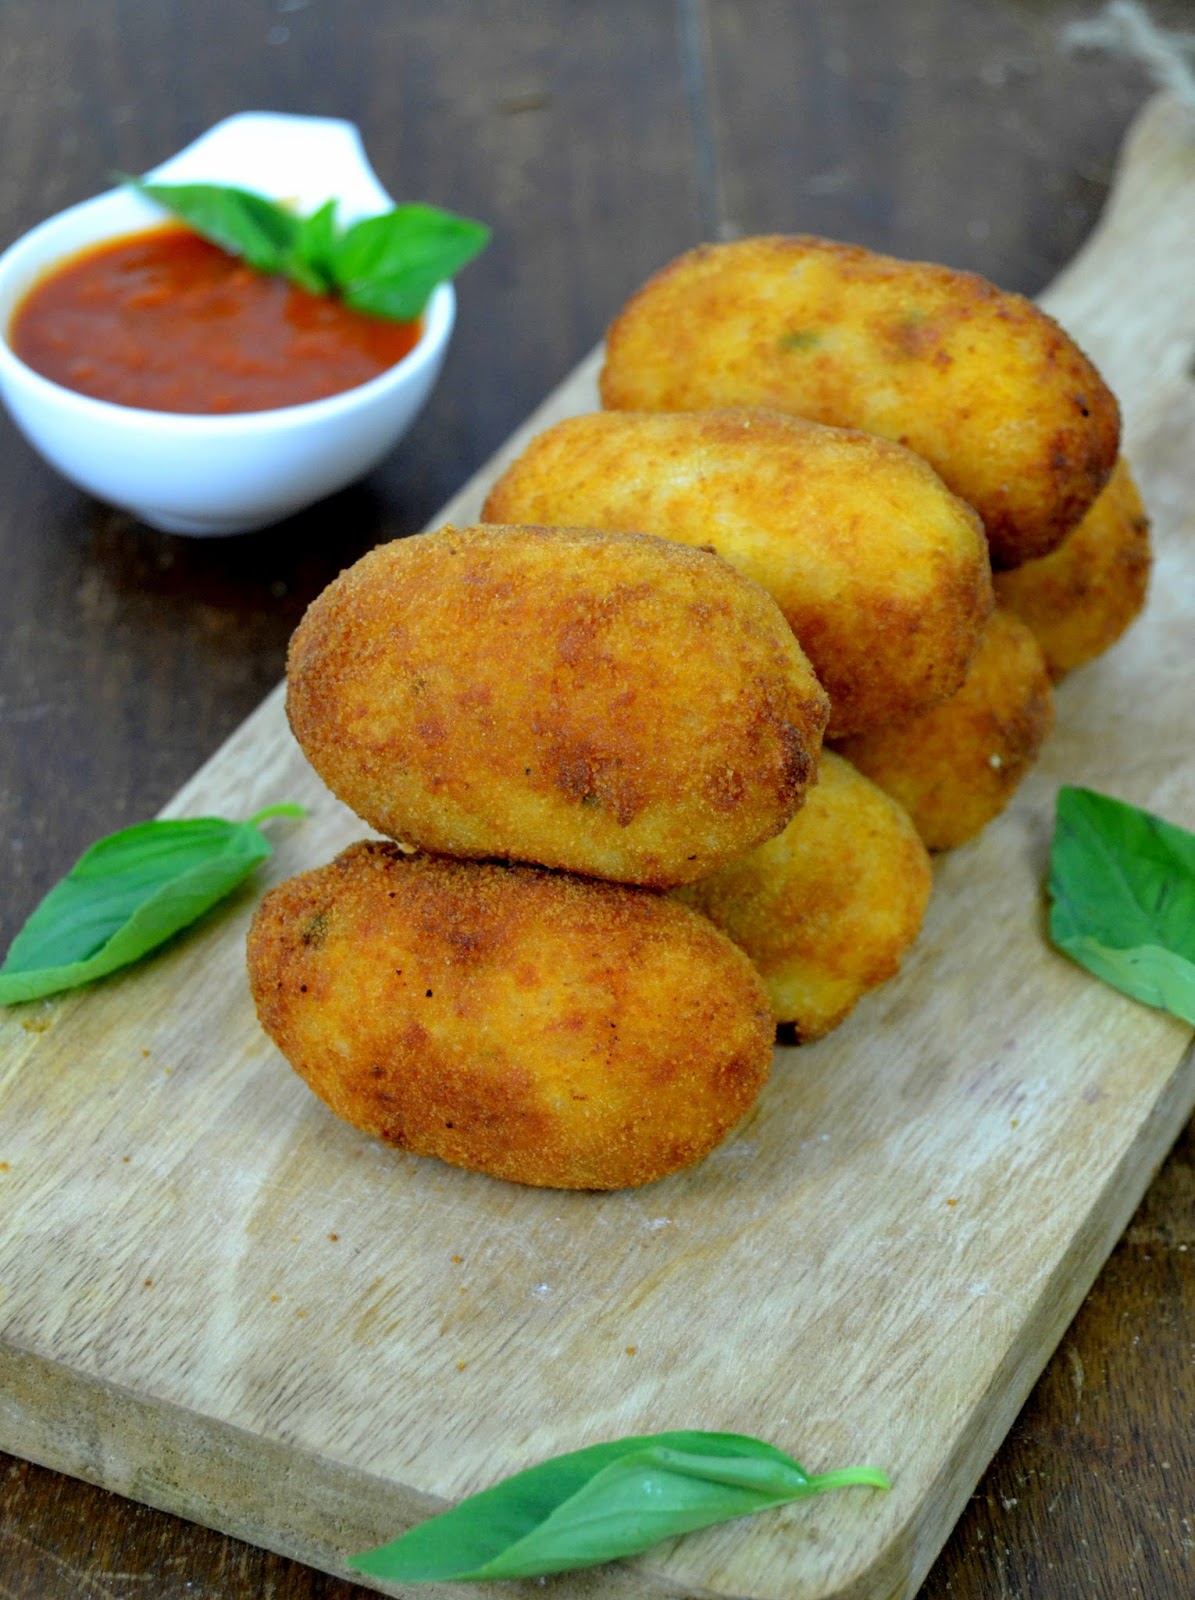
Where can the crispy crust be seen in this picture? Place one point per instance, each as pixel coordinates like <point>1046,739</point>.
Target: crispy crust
<point>829,908</point>
<point>538,1027</point>
<point>957,766</point>
<point>1080,599</point>
<point>880,571</point>
<point>606,703</point>
<point>981,383</point>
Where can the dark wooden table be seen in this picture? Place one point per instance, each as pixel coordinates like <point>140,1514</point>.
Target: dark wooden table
<point>600,139</point>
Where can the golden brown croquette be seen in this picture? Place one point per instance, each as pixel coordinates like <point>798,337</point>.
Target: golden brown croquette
<point>543,1028</point>
<point>827,909</point>
<point>606,703</point>
<point>956,767</point>
<point>882,573</point>
<point>1080,598</point>
<point>981,383</point>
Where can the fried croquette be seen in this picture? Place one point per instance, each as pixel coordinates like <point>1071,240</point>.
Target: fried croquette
<point>956,767</point>
<point>981,383</point>
<point>828,909</point>
<point>546,1029</point>
<point>607,703</point>
<point>881,572</point>
<point>1080,598</point>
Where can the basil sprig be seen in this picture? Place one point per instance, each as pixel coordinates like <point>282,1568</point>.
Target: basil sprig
<point>1122,883</point>
<point>386,266</point>
<point>601,1503</point>
<point>126,895</point>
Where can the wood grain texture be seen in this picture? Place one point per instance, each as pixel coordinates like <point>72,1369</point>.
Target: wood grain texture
<point>237,1300</point>
<point>602,141</point>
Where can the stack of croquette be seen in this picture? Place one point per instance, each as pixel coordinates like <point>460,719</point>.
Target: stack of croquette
<point>561,724</point>
<point>592,726</point>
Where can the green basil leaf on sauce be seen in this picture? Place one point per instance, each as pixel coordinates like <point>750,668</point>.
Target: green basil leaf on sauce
<point>385,266</point>
<point>1122,883</point>
<point>126,895</point>
<point>389,265</point>
<point>311,261</point>
<point>602,1503</point>
<point>243,223</point>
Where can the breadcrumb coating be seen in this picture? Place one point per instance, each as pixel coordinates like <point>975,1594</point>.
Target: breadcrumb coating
<point>956,767</point>
<point>829,908</point>
<point>881,572</point>
<point>539,1027</point>
<point>1080,598</point>
<point>983,384</point>
<point>606,703</point>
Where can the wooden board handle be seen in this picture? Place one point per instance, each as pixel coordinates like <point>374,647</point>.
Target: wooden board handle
<point>1130,292</point>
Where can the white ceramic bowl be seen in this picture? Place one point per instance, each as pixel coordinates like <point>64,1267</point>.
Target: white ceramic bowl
<point>221,474</point>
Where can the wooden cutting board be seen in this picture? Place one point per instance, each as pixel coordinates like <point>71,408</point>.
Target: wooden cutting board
<point>219,1300</point>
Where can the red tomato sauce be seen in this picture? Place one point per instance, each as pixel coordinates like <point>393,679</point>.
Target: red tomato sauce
<point>165,321</point>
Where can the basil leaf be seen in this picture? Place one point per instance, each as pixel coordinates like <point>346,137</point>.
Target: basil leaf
<point>599,1504</point>
<point>1122,883</point>
<point>389,265</point>
<point>385,266</point>
<point>126,895</point>
<point>243,223</point>
<point>311,258</point>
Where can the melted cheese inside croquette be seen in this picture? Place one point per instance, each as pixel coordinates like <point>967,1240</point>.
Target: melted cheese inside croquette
<point>981,383</point>
<point>542,1028</point>
<point>606,703</point>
